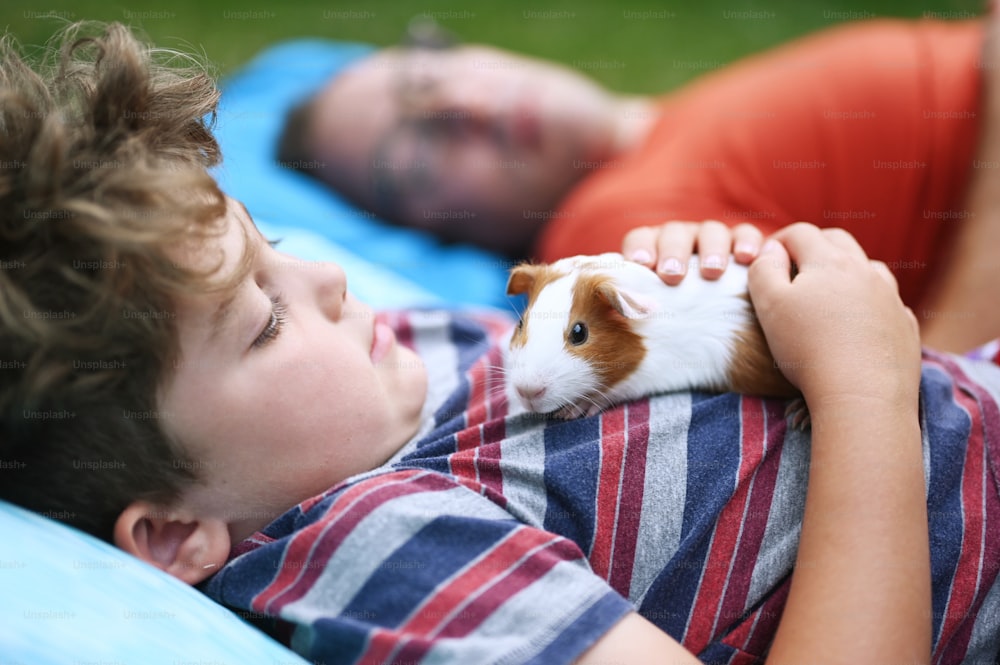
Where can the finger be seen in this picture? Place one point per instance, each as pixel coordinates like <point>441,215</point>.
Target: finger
<point>884,272</point>
<point>912,318</point>
<point>805,244</point>
<point>769,272</point>
<point>845,241</point>
<point>715,242</point>
<point>747,240</point>
<point>639,245</point>
<point>673,250</point>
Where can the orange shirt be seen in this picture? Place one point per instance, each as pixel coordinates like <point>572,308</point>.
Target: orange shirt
<point>870,126</point>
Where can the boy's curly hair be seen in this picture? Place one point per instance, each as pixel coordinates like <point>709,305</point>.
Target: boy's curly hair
<point>104,148</point>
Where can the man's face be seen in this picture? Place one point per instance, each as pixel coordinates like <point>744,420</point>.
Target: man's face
<point>472,143</point>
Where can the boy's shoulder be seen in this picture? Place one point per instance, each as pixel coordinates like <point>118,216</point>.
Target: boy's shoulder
<point>404,557</point>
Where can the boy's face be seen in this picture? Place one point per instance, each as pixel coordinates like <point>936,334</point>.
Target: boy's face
<point>286,389</point>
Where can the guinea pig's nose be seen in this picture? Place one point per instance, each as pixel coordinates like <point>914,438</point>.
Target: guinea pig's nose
<point>530,393</point>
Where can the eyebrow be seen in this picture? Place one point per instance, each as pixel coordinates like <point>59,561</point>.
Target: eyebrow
<point>222,314</point>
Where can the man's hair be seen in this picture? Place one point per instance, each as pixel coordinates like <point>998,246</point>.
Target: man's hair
<point>104,148</point>
<point>295,150</point>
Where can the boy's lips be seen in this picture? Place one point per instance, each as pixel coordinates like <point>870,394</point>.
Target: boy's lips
<point>382,340</point>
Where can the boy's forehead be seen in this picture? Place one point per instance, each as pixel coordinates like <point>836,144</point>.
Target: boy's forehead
<point>237,206</point>
<point>239,243</point>
<point>210,319</point>
<point>227,256</point>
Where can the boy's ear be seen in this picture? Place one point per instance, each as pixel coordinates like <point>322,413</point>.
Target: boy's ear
<point>188,548</point>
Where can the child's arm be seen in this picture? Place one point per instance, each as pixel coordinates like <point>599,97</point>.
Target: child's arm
<point>861,587</point>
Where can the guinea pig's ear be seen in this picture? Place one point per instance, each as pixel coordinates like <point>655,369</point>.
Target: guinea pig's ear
<point>629,305</point>
<point>522,278</point>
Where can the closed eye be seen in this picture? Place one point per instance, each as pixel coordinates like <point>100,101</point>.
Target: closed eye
<point>274,325</point>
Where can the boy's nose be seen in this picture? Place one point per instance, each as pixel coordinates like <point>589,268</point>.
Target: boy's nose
<point>331,290</point>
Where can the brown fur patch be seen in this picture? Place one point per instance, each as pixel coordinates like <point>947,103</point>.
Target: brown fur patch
<point>753,370</point>
<point>529,279</point>
<point>612,348</point>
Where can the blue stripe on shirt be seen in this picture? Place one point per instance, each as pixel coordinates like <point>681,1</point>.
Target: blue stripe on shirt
<point>572,467</point>
<point>949,430</point>
<point>410,575</point>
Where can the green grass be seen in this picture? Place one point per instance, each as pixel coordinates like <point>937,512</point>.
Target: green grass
<point>631,45</point>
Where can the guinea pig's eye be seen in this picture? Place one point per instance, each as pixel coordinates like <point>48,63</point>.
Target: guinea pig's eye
<point>578,333</point>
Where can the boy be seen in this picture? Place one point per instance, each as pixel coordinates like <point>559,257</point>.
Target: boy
<point>236,418</point>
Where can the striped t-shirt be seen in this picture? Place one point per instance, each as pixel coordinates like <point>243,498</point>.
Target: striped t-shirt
<point>502,536</point>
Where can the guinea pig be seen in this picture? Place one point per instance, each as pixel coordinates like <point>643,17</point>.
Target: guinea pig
<point>600,330</point>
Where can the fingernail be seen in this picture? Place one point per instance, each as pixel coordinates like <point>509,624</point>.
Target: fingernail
<point>671,266</point>
<point>744,249</point>
<point>712,262</point>
<point>769,246</point>
<point>641,256</point>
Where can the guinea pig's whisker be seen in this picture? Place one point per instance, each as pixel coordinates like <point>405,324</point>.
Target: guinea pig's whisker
<point>601,400</point>
<point>496,377</point>
<point>496,392</point>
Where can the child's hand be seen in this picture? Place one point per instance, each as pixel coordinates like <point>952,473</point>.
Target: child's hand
<point>669,246</point>
<point>838,328</point>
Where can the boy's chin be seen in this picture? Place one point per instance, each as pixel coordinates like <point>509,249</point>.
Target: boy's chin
<point>408,383</point>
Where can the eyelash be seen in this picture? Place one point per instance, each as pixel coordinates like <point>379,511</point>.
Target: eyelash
<point>274,324</point>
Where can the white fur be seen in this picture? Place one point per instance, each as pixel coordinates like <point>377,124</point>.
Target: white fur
<point>688,330</point>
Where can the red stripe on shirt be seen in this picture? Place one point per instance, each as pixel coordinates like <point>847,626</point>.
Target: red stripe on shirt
<point>725,542</point>
<point>957,646</point>
<point>967,571</point>
<point>485,425</point>
<point>488,458</point>
<point>532,567</point>
<point>297,552</point>
<point>318,541</point>
<point>633,485</point>
<point>608,488</point>
<point>496,395</point>
<point>490,581</point>
<point>468,438</point>
<point>762,421</point>
<point>476,410</point>
<point>985,417</point>
<point>756,632</point>
<point>493,431</point>
<point>479,469</point>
